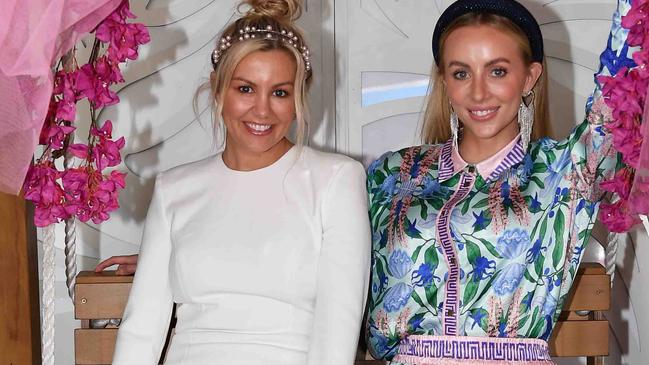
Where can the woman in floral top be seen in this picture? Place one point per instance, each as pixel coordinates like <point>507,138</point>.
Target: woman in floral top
<point>476,241</point>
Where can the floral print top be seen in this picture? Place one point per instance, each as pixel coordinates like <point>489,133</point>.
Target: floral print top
<point>461,254</point>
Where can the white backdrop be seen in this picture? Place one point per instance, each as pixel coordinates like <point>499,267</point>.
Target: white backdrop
<point>371,64</point>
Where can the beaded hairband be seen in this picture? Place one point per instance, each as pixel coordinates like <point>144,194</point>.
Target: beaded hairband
<point>268,32</point>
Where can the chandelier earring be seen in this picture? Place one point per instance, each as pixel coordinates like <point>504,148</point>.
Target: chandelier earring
<point>455,126</point>
<point>526,118</point>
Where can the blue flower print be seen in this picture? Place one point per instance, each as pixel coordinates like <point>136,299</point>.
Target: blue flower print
<point>534,252</point>
<point>508,279</point>
<point>389,185</point>
<point>535,204</point>
<point>483,268</point>
<point>424,276</point>
<point>513,243</point>
<point>481,221</point>
<point>432,187</point>
<point>477,315</point>
<point>380,341</point>
<point>547,143</point>
<point>549,306</point>
<point>399,263</point>
<point>376,163</point>
<point>525,169</point>
<point>397,297</point>
<point>555,173</point>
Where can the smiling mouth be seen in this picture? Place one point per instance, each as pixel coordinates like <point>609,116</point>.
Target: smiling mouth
<point>258,129</point>
<point>483,114</point>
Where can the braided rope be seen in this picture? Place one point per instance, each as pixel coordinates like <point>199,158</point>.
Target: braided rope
<point>70,239</point>
<point>610,253</point>
<point>48,296</point>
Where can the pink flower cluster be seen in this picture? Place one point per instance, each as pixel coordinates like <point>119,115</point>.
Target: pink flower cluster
<point>625,93</point>
<point>84,191</point>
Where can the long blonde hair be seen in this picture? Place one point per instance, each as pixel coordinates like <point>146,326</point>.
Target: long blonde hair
<point>436,127</point>
<point>279,14</point>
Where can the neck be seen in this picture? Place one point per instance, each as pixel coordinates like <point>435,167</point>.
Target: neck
<point>475,150</point>
<point>242,159</point>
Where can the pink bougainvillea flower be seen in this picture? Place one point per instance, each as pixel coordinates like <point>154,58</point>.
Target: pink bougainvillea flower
<point>617,216</point>
<point>620,183</point>
<point>105,131</point>
<point>41,187</point>
<point>106,153</point>
<point>66,95</point>
<point>93,87</point>
<point>123,38</point>
<point>79,150</point>
<point>56,133</point>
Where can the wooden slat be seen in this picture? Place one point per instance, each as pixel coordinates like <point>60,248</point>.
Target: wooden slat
<point>94,346</point>
<point>580,338</point>
<point>109,276</point>
<point>104,300</point>
<point>19,302</point>
<point>589,292</point>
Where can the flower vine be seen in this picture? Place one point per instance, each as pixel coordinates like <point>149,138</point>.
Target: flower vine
<point>86,191</point>
<point>625,93</point>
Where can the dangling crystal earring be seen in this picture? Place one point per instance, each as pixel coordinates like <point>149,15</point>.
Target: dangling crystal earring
<point>526,118</point>
<point>454,129</point>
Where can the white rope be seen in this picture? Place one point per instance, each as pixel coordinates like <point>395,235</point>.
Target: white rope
<point>48,296</point>
<point>70,255</point>
<point>611,254</point>
<point>70,240</point>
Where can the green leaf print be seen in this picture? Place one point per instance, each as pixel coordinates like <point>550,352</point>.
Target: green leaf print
<point>551,157</point>
<point>558,252</point>
<point>538,265</point>
<point>430,256</point>
<point>538,182</point>
<point>423,213</point>
<point>465,206</point>
<point>473,252</point>
<point>470,291</point>
<point>415,254</point>
<point>431,295</point>
<point>539,168</point>
<point>492,250</point>
<point>482,203</point>
<point>483,315</point>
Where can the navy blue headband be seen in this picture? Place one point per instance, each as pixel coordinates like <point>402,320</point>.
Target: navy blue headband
<point>509,9</point>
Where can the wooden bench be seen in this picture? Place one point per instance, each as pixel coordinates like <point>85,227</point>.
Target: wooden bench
<point>581,330</point>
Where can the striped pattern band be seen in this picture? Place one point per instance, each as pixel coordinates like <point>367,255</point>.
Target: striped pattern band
<point>421,349</point>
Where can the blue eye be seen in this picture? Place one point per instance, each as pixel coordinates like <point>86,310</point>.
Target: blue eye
<point>245,89</point>
<point>499,72</point>
<point>460,75</point>
<point>280,93</point>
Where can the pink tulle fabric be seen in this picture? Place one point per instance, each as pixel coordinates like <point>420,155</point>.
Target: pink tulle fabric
<point>33,35</point>
<point>639,196</point>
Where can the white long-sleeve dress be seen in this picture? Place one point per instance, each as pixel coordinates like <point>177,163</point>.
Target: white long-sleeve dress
<point>267,266</point>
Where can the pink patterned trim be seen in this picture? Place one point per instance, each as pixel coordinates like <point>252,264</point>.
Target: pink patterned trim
<point>425,350</point>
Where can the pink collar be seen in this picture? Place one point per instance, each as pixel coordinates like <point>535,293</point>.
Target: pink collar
<point>451,162</point>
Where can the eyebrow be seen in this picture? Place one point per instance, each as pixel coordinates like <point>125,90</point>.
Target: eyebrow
<point>290,83</point>
<point>490,63</point>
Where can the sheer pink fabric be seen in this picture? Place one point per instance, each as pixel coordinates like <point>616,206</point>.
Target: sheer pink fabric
<point>639,196</point>
<point>33,34</point>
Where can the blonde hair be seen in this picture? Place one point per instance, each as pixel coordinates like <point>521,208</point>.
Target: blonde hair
<point>279,14</point>
<point>436,127</point>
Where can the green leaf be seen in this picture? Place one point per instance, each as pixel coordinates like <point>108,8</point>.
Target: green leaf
<point>490,248</point>
<point>415,254</point>
<point>417,298</point>
<point>484,317</point>
<point>469,291</point>
<point>538,182</point>
<point>465,206</point>
<point>538,327</point>
<point>423,213</point>
<point>482,203</point>
<point>528,276</point>
<point>551,157</point>
<point>430,256</point>
<point>431,295</point>
<point>538,265</point>
<point>473,252</point>
<point>544,227</point>
<point>559,225</point>
<point>436,203</point>
<point>539,167</point>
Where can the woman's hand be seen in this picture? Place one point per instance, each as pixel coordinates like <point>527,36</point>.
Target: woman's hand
<point>126,264</point>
